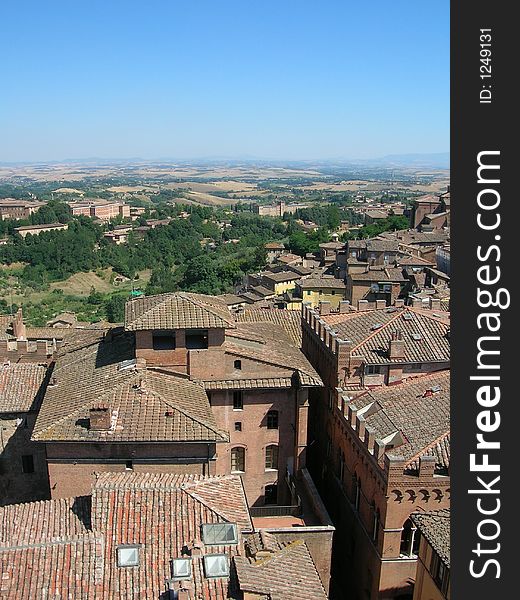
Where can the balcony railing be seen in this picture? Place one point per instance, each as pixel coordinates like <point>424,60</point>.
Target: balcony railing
<point>275,510</point>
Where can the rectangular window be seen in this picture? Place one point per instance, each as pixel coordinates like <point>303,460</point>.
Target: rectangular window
<point>238,425</point>
<point>163,340</point>
<point>216,565</point>
<point>238,460</point>
<point>272,419</point>
<point>238,400</point>
<point>271,494</point>
<point>415,367</point>
<point>373,369</point>
<point>271,458</point>
<point>196,339</point>
<point>181,568</point>
<point>128,556</point>
<point>27,463</point>
<point>219,534</point>
<point>129,465</point>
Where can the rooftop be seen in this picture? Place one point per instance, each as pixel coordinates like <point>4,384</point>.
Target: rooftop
<point>425,335</point>
<point>20,384</point>
<point>435,527</point>
<point>414,415</point>
<point>288,320</point>
<point>177,311</point>
<point>145,405</point>
<point>74,542</point>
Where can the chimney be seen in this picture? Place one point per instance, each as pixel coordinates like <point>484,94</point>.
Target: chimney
<point>435,303</point>
<point>183,595</point>
<point>19,330</point>
<point>100,418</point>
<point>417,303</point>
<point>344,306</point>
<point>399,303</point>
<point>380,304</point>
<point>396,346</point>
<point>363,305</point>
<point>324,307</point>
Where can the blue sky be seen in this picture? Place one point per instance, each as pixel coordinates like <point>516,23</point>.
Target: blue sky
<point>277,79</point>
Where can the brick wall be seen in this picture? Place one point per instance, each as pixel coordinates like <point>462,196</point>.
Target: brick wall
<point>71,466</point>
<point>15,442</point>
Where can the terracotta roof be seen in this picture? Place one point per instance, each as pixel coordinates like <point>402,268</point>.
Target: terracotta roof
<point>146,405</point>
<point>275,349</point>
<point>289,320</point>
<point>425,334</point>
<point>377,245</point>
<point>435,527</point>
<point>281,276</point>
<point>177,311</point>
<point>321,282</point>
<point>274,246</point>
<point>387,274</point>
<point>413,409</point>
<point>19,386</point>
<point>68,548</point>
<point>332,245</point>
<point>278,570</point>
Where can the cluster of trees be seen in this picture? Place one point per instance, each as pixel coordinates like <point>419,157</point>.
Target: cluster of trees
<point>391,223</point>
<point>190,254</point>
<point>327,215</point>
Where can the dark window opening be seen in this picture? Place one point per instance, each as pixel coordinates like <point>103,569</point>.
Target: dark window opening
<point>373,369</point>
<point>27,463</point>
<point>196,339</point>
<point>272,419</point>
<point>238,425</point>
<point>237,364</point>
<point>129,465</point>
<point>238,400</point>
<point>238,459</point>
<point>271,494</point>
<point>163,340</point>
<point>271,457</point>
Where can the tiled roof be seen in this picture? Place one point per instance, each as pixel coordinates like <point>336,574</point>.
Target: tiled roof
<point>19,386</point>
<point>248,384</point>
<point>386,274</point>
<point>321,282</point>
<point>435,527</point>
<point>276,349</point>
<point>289,320</point>
<point>412,409</point>
<point>425,335</point>
<point>177,311</point>
<point>375,245</point>
<point>145,405</point>
<point>281,276</point>
<point>278,570</point>
<point>332,245</point>
<point>68,548</point>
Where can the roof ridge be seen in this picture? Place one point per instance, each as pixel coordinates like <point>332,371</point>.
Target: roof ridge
<point>428,447</point>
<point>398,313</point>
<point>199,420</point>
<point>78,408</point>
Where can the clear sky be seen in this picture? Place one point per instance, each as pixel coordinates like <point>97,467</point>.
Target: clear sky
<point>285,79</point>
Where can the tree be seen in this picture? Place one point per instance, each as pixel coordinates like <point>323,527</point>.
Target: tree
<point>115,309</point>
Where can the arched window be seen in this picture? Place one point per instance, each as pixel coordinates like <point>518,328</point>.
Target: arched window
<point>271,457</point>
<point>238,459</point>
<point>272,419</point>
<point>409,540</point>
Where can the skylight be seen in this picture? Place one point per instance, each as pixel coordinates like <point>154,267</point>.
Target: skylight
<point>128,556</point>
<point>219,534</point>
<point>181,568</point>
<point>416,336</point>
<point>216,565</point>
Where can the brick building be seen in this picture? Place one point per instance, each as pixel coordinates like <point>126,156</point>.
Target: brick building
<point>104,210</point>
<point>10,208</point>
<point>153,536</point>
<point>379,438</point>
<point>433,567</point>
<point>23,470</point>
<point>256,378</point>
<point>185,389</point>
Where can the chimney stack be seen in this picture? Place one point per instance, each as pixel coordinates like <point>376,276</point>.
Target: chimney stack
<point>100,418</point>
<point>396,346</point>
<point>19,329</point>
